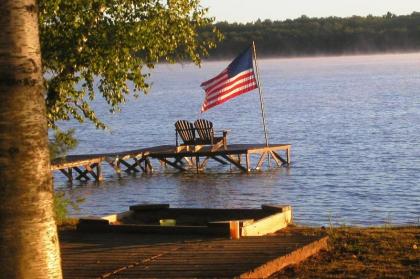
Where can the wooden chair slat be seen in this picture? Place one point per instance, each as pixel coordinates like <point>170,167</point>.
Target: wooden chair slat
<point>205,131</point>
<point>185,130</point>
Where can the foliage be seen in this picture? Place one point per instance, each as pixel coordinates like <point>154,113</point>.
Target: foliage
<point>313,36</point>
<point>62,205</point>
<point>111,44</point>
<point>61,143</point>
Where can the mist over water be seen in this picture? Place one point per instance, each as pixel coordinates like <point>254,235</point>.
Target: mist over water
<point>353,122</point>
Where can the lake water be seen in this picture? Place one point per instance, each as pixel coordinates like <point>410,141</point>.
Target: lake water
<point>353,122</point>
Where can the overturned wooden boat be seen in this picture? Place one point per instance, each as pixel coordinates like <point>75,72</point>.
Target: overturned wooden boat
<point>161,218</point>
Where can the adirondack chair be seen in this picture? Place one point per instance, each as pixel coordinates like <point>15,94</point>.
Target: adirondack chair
<point>186,131</point>
<point>206,135</point>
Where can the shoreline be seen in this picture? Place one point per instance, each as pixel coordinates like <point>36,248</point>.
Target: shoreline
<point>314,55</point>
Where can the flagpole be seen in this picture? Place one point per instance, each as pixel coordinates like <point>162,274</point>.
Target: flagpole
<point>261,98</point>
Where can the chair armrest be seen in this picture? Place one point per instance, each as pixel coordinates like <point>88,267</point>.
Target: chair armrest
<point>222,130</point>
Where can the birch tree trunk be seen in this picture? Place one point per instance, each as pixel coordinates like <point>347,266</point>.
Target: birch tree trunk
<point>28,235</point>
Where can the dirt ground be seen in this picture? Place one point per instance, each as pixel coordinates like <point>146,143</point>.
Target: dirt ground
<point>387,252</point>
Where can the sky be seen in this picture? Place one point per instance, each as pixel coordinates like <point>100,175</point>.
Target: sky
<point>251,10</point>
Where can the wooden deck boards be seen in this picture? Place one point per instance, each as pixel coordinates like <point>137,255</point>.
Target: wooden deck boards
<point>116,255</point>
<point>139,159</point>
<point>75,161</point>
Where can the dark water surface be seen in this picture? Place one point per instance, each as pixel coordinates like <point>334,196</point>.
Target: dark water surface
<point>353,122</point>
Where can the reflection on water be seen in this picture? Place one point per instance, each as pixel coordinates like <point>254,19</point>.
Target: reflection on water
<point>353,122</point>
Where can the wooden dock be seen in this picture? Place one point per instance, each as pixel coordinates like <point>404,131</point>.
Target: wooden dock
<point>118,255</point>
<point>85,167</point>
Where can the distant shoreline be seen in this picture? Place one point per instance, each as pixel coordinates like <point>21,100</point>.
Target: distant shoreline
<point>326,55</point>
<point>397,52</point>
<point>308,36</point>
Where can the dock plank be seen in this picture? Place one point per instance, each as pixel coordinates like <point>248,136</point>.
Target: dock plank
<point>116,255</point>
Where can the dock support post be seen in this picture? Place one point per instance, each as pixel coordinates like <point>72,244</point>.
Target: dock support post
<point>118,167</point>
<point>147,166</point>
<point>275,158</point>
<point>261,160</point>
<point>248,163</point>
<point>99,176</point>
<point>162,164</point>
<point>115,164</point>
<point>197,163</point>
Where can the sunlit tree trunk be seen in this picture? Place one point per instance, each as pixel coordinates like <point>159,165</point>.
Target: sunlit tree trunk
<point>28,235</point>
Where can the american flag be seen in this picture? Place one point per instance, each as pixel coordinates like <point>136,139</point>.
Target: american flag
<point>237,79</point>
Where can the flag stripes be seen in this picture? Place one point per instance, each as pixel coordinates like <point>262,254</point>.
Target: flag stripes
<point>227,84</point>
<point>222,76</point>
<point>207,106</point>
<point>237,79</point>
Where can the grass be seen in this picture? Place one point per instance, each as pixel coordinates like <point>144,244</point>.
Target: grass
<point>384,252</point>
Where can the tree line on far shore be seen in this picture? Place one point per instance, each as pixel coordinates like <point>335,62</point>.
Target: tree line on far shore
<point>321,36</point>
